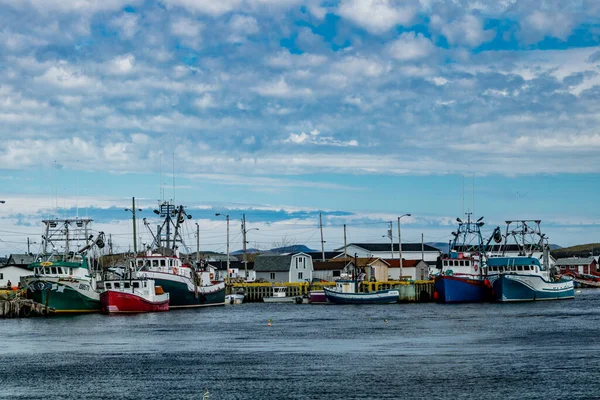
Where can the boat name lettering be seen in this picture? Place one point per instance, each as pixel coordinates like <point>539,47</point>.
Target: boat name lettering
<point>83,286</point>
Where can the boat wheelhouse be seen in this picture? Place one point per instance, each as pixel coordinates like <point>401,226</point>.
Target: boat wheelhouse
<point>280,296</point>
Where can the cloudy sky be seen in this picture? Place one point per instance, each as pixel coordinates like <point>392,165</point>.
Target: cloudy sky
<point>282,109</point>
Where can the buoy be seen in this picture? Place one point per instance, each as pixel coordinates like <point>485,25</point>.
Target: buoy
<point>486,282</point>
<point>436,295</point>
<point>386,321</point>
<point>269,322</point>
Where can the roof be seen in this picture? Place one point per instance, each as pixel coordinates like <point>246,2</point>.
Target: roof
<point>317,255</point>
<point>272,263</point>
<point>575,261</point>
<point>361,261</point>
<point>381,247</point>
<point>21,259</point>
<point>221,265</point>
<point>395,263</point>
<point>328,266</point>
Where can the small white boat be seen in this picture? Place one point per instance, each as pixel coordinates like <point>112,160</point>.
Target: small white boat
<point>280,296</point>
<point>234,298</point>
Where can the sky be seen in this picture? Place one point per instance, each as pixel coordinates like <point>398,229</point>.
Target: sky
<point>282,110</point>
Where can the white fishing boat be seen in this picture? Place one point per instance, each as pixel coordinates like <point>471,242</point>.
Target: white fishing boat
<point>345,292</point>
<point>235,298</point>
<point>280,296</point>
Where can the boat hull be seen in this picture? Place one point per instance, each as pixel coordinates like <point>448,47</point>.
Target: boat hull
<point>296,299</point>
<point>63,295</point>
<point>119,302</point>
<point>234,299</point>
<point>317,297</point>
<point>517,287</point>
<point>453,289</point>
<point>181,291</point>
<point>379,297</point>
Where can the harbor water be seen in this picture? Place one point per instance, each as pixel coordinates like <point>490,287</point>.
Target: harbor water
<point>538,350</point>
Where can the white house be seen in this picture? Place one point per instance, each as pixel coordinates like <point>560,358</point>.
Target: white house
<point>415,270</point>
<point>410,251</point>
<point>12,273</point>
<point>284,268</point>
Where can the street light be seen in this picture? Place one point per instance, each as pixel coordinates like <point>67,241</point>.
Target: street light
<point>400,241</point>
<point>133,210</point>
<point>227,218</point>
<point>245,231</point>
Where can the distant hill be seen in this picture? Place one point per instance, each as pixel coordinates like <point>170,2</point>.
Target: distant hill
<point>580,250</point>
<point>296,248</point>
<point>248,251</point>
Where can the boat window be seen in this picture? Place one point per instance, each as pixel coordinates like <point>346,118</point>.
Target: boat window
<point>170,262</point>
<point>519,268</point>
<point>70,271</point>
<point>445,263</point>
<point>53,269</point>
<point>163,263</point>
<point>136,284</point>
<point>126,285</point>
<point>155,263</point>
<point>108,285</point>
<point>117,285</point>
<point>140,263</point>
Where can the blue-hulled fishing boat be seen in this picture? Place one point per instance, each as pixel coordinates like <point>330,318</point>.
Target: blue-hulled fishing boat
<point>463,271</point>
<point>524,277</point>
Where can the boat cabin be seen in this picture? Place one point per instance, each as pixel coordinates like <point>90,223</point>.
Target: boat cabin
<point>140,286</point>
<point>462,263</point>
<point>519,265</point>
<point>345,286</point>
<point>160,263</point>
<point>279,291</point>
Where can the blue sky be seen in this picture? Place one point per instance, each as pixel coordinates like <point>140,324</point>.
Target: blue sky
<point>283,109</point>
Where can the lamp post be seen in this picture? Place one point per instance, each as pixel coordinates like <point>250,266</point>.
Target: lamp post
<point>227,218</point>
<point>400,241</point>
<point>133,210</point>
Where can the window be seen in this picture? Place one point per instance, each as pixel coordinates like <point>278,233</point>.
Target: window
<point>445,263</point>
<point>296,263</point>
<point>117,285</point>
<point>1,276</point>
<point>572,267</point>
<point>272,276</point>
<point>337,273</point>
<point>163,263</point>
<point>108,285</point>
<point>136,285</point>
<point>299,275</point>
<point>53,269</point>
<point>155,263</point>
<point>126,285</point>
<point>519,268</point>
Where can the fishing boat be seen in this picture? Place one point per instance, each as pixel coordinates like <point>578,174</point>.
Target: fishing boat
<point>280,296</point>
<point>463,270</point>
<point>188,285</point>
<point>345,292</point>
<point>133,295</point>
<point>65,280</point>
<point>524,277</point>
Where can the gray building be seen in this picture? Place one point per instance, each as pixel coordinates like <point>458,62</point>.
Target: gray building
<point>284,268</point>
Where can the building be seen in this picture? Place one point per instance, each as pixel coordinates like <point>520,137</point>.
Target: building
<point>371,269</point>
<point>237,270</point>
<point>415,270</point>
<point>576,265</point>
<point>12,273</point>
<point>328,271</point>
<point>296,267</point>
<point>20,259</point>
<point>410,251</point>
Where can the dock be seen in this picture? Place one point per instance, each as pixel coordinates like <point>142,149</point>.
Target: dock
<point>410,291</point>
<point>13,305</point>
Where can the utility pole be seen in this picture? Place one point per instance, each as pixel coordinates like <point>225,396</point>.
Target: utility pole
<point>391,239</point>
<point>134,227</point>
<point>228,278</point>
<point>244,246</point>
<point>345,245</point>
<point>197,244</point>
<point>322,241</point>
<point>422,248</point>
<point>29,252</point>
<point>400,241</point>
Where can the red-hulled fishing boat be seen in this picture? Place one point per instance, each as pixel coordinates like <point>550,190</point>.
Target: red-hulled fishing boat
<point>132,296</point>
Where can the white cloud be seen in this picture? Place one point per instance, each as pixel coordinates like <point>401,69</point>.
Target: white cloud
<point>467,31</point>
<point>186,28</point>
<point>410,46</point>
<point>205,101</point>
<point>66,76</point>
<point>127,24</point>
<point>242,26</point>
<point>313,138</point>
<point>122,64</point>
<point>284,59</point>
<point>250,140</point>
<point>214,8</point>
<point>376,16</point>
<point>538,24</point>
<point>280,88</point>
